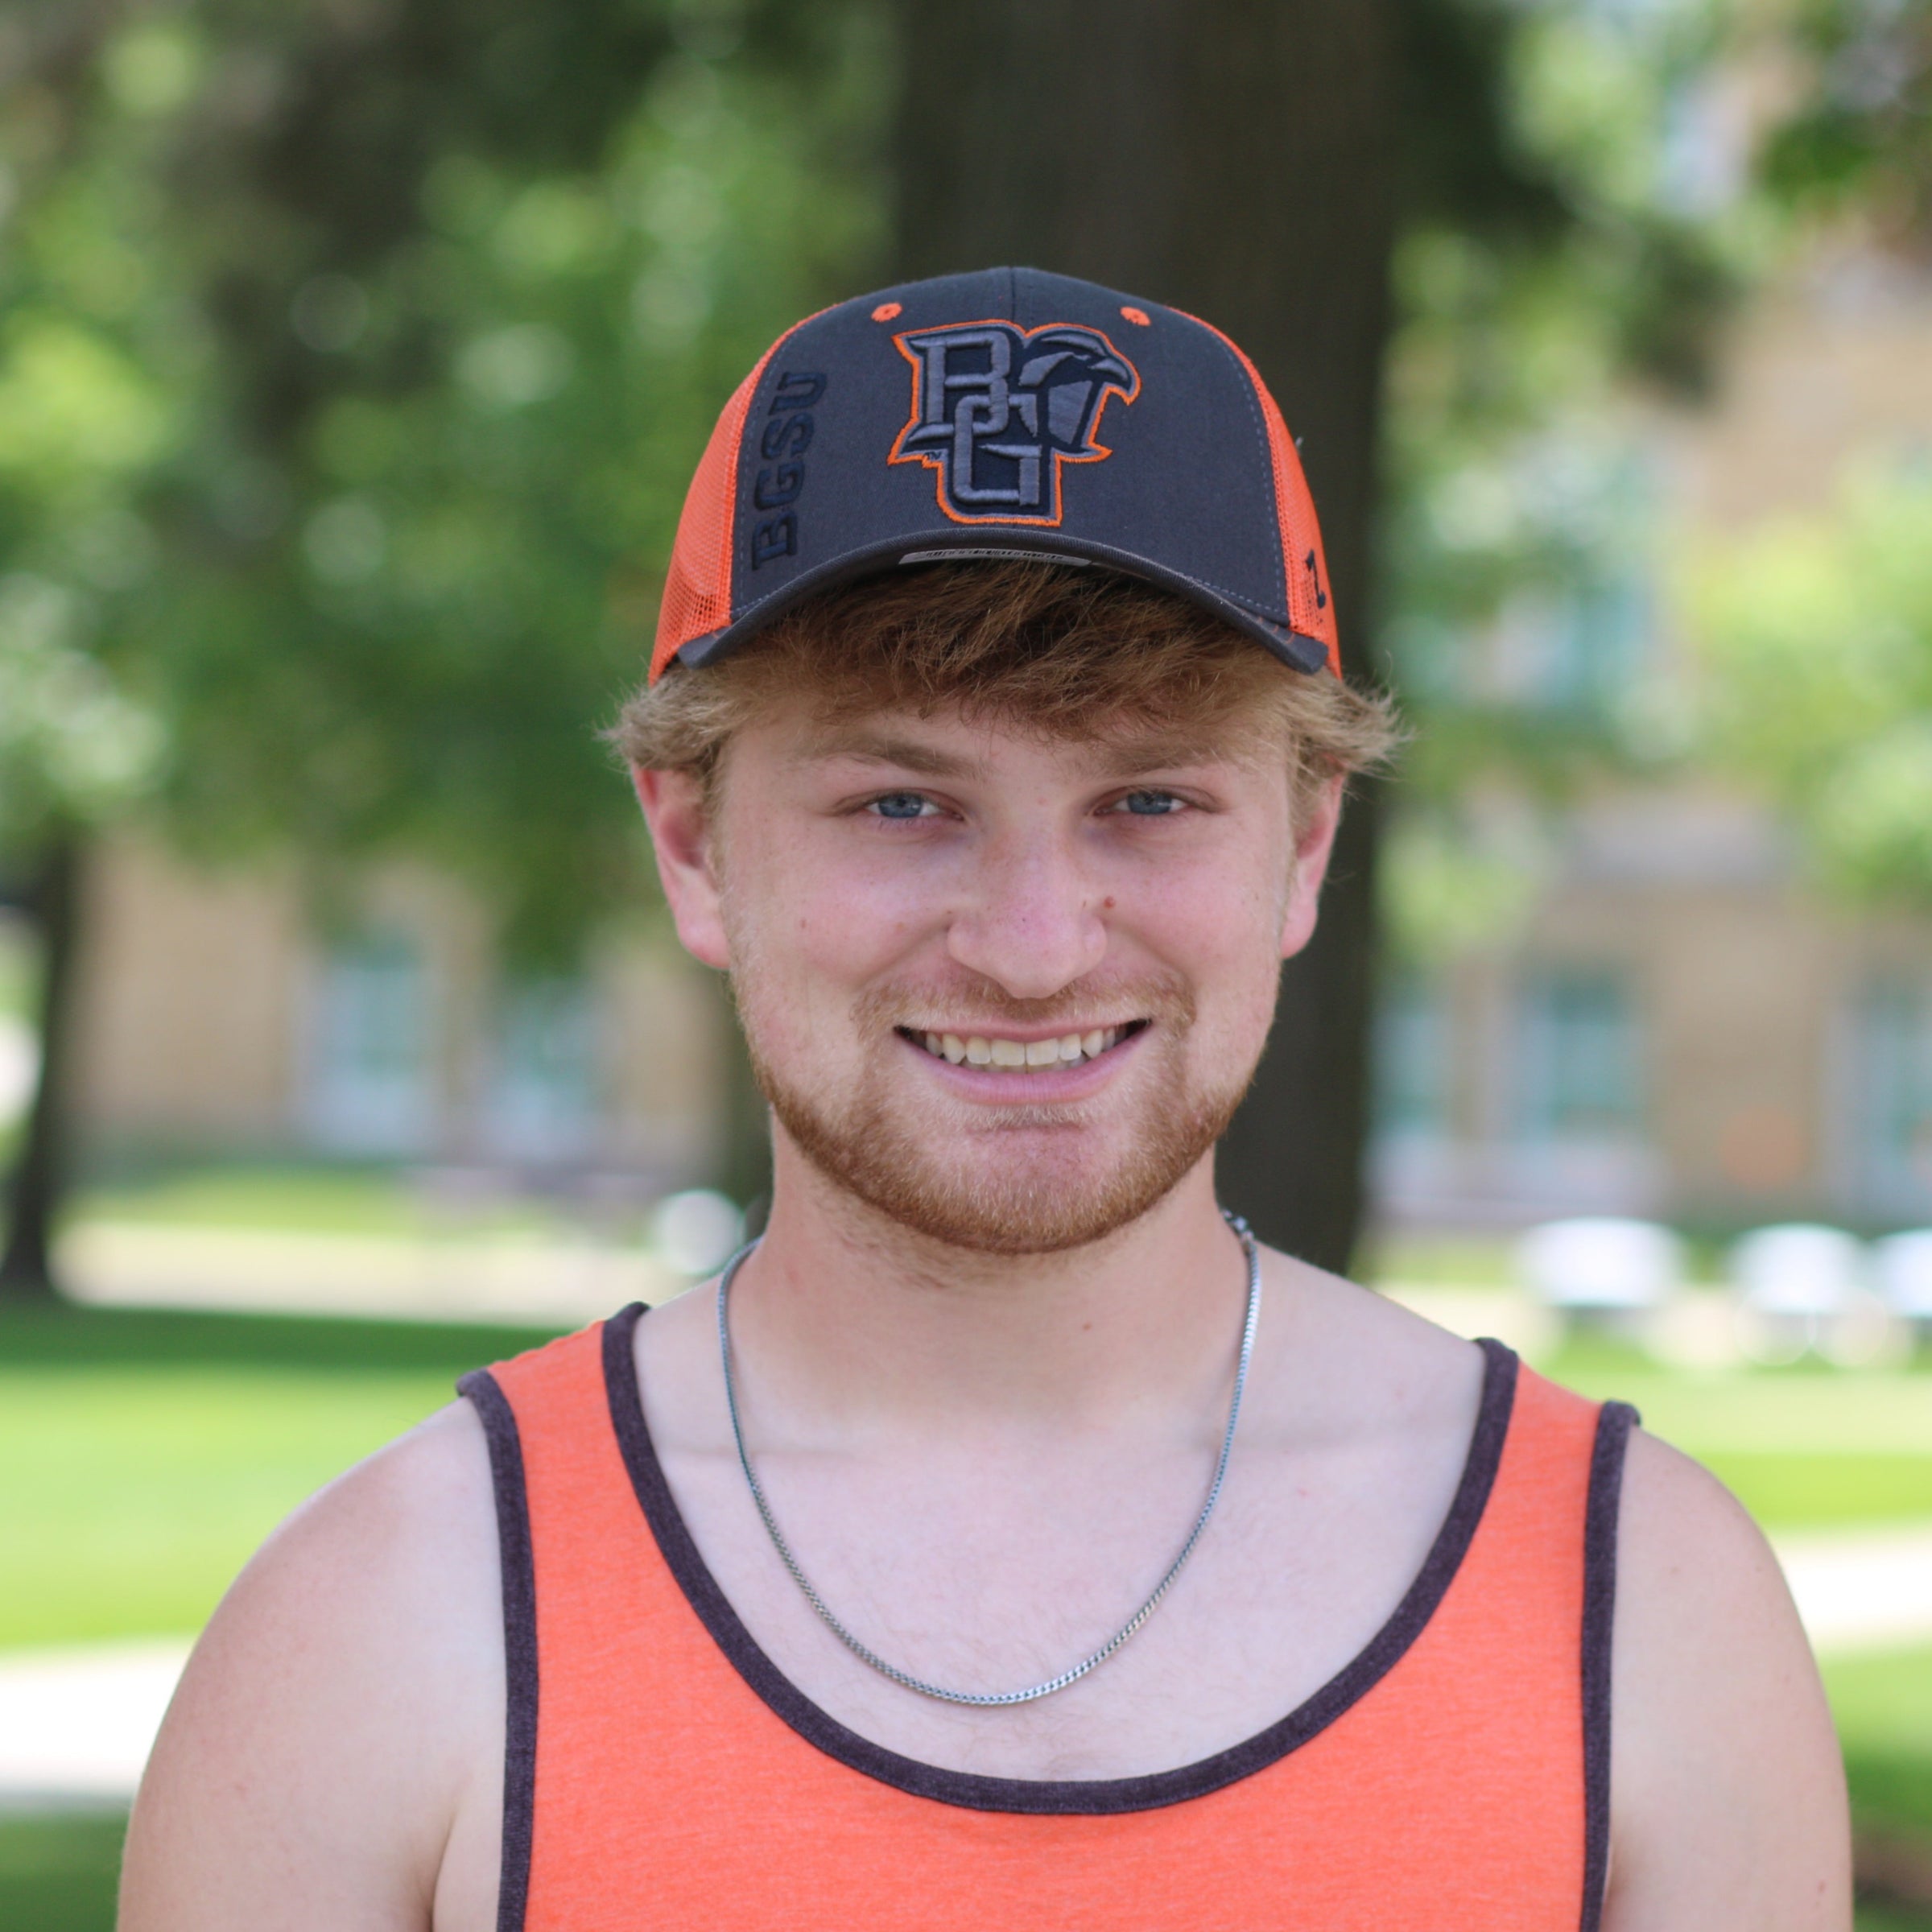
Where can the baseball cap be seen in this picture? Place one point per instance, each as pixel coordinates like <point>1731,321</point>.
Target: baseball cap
<point>1005,414</point>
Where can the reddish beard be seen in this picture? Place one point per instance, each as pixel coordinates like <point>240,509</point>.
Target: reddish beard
<point>931,1183</point>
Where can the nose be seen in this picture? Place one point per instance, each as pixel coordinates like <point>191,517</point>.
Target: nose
<point>1028,923</point>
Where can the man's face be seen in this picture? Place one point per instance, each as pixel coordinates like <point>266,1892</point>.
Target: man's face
<point>1005,989</point>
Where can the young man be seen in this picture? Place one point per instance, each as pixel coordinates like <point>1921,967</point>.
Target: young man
<point>1004,1541</point>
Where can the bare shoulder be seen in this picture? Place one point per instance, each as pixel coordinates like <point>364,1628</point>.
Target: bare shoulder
<point>1726,1789</point>
<point>339,1723</point>
<point>1383,1360</point>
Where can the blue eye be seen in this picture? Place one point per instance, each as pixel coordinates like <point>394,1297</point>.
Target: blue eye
<point>1151,804</point>
<point>901,805</point>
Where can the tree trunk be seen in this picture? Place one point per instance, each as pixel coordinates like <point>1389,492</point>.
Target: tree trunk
<point>1232,158</point>
<point>38,1179</point>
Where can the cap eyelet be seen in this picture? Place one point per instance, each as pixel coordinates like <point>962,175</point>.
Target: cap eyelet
<point>1138,317</point>
<point>886,311</point>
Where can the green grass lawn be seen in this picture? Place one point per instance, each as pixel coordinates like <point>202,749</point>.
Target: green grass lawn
<point>1883,1704</point>
<point>58,1874</point>
<point>1803,1448</point>
<point>143,1455</point>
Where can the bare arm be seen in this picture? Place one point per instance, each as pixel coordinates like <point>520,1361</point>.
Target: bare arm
<point>333,1757</point>
<point>1728,1796</point>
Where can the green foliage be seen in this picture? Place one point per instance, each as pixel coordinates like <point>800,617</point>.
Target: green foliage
<point>1664,156</point>
<point>1814,642</point>
<point>384,341</point>
<point>1860,139</point>
<point>85,415</point>
<point>1448,891</point>
<point>1519,535</point>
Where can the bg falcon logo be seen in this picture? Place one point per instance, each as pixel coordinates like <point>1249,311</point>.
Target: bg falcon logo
<point>996,409</point>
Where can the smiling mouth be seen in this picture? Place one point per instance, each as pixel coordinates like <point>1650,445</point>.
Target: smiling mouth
<point>1022,1056</point>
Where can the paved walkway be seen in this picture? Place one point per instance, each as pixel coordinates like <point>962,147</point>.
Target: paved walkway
<point>515,1277</point>
<point>75,1725</point>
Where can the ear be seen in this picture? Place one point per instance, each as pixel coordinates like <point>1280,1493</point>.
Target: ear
<point>681,834</point>
<point>1313,845</point>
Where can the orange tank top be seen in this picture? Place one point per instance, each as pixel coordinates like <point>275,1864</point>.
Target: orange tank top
<point>661,1772</point>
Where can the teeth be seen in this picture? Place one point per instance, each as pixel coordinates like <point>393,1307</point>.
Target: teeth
<point>977,1050</point>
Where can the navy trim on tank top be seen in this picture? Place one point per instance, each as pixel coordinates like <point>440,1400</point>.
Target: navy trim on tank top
<point>1081,1797</point>
<point>519,1643</point>
<point>1614,1422</point>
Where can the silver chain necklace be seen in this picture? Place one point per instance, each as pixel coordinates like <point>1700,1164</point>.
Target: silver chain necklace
<point>1120,1636</point>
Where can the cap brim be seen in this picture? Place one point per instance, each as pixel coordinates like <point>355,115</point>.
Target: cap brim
<point>1297,651</point>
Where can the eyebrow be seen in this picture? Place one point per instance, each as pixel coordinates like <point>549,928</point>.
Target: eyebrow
<point>1131,756</point>
<point>880,748</point>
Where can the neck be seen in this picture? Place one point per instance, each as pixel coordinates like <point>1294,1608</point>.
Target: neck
<point>847,1314</point>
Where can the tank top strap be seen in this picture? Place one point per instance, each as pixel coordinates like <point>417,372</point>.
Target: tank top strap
<point>585,1591</point>
<point>1532,1603</point>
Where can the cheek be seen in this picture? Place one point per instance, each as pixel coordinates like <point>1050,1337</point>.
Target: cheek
<point>1218,922</point>
<point>810,929</point>
<point>1223,910</point>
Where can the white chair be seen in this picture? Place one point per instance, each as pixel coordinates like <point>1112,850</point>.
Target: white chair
<point>1601,1265</point>
<point>1901,1271</point>
<point>696,1231</point>
<point>1798,1272</point>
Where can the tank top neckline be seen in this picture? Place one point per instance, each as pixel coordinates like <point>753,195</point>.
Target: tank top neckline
<point>1091,1797</point>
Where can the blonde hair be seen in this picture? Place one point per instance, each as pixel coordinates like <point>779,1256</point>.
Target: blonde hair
<point>1063,652</point>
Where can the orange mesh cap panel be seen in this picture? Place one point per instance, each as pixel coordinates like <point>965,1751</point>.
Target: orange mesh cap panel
<point>697,588</point>
<point>1304,561</point>
<point>1310,602</point>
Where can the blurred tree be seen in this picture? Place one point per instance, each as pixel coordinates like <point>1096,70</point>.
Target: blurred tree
<point>83,418</point>
<point>1520,550</point>
<point>1858,135</point>
<point>358,358</point>
<point>1697,145</point>
<point>1815,637</point>
<point>1813,634</point>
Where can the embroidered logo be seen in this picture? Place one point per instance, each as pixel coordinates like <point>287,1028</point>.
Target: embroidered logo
<point>996,409</point>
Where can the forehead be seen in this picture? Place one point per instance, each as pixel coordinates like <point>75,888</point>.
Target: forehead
<point>951,741</point>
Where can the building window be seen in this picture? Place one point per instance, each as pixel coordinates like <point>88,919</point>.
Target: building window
<point>1596,646</point>
<point>1894,1092</point>
<point>370,1089</point>
<point>543,1101</point>
<point>1580,1057</point>
<point>1412,1060</point>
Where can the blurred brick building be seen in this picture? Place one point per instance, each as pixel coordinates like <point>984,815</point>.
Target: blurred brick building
<point>217,1018</point>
